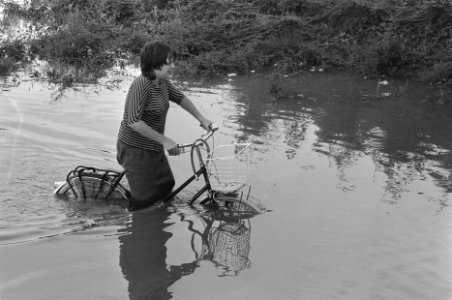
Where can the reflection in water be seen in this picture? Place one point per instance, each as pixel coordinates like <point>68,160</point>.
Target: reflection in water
<point>262,120</point>
<point>143,256</point>
<point>87,213</point>
<point>224,241</point>
<point>143,252</point>
<point>406,133</point>
<point>398,135</point>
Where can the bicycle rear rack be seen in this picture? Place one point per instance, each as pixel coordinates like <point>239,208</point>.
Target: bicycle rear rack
<point>105,176</point>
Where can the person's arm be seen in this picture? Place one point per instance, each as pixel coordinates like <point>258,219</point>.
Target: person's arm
<point>187,105</point>
<point>145,130</point>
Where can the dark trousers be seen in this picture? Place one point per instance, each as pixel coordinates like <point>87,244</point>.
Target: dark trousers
<point>148,173</point>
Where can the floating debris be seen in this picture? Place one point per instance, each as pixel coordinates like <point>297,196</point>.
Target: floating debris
<point>384,88</point>
<point>88,224</point>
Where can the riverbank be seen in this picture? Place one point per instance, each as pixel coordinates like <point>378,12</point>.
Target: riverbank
<point>389,39</point>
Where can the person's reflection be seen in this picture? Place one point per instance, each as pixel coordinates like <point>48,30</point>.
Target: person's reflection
<point>224,242</point>
<point>143,256</point>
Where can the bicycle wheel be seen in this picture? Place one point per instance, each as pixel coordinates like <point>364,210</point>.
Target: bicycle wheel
<point>236,207</point>
<point>91,186</point>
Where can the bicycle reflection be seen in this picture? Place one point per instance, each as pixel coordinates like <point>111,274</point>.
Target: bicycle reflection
<point>143,252</point>
<point>224,241</point>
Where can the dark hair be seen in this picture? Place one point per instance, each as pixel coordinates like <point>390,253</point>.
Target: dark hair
<point>153,56</point>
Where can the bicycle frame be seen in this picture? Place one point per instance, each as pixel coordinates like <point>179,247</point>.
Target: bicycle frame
<point>201,170</point>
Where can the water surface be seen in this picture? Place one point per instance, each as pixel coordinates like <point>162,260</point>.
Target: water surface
<point>357,182</point>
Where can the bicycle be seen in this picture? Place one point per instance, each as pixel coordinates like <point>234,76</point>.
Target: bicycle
<point>224,170</point>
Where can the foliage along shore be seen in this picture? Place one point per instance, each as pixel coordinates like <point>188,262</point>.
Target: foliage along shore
<point>409,39</point>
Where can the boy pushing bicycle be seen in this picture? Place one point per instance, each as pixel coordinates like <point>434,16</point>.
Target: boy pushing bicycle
<point>141,139</point>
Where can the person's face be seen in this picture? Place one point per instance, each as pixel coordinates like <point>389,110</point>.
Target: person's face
<point>166,70</point>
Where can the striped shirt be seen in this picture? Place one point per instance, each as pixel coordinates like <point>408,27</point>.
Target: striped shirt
<point>148,102</point>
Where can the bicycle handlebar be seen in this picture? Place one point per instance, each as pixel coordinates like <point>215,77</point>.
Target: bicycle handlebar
<point>212,128</point>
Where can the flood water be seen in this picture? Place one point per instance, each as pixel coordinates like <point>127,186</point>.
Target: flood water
<point>357,189</point>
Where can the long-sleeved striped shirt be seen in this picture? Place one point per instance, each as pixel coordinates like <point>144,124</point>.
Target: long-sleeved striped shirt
<point>148,102</point>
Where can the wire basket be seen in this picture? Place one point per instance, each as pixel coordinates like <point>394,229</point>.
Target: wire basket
<point>91,183</point>
<point>228,167</point>
<point>229,246</point>
<point>92,187</point>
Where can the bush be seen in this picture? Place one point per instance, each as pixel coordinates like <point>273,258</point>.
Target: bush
<point>280,7</point>
<point>217,36</point>
<point>15,49</point>
<point>7,65</point>
<point>134,41</point>
<point>76,42</point>
<point>439,73</point>
<point>390,58</point>
<point>121,11</point>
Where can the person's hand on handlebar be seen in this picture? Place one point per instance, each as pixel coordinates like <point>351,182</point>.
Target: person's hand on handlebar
<point>171,147</point>
<point>205,123</point>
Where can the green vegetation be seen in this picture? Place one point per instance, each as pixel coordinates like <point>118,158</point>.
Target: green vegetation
<point>370,38</point>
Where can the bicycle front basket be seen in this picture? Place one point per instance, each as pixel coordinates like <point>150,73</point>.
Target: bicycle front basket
<point>228,167</point>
